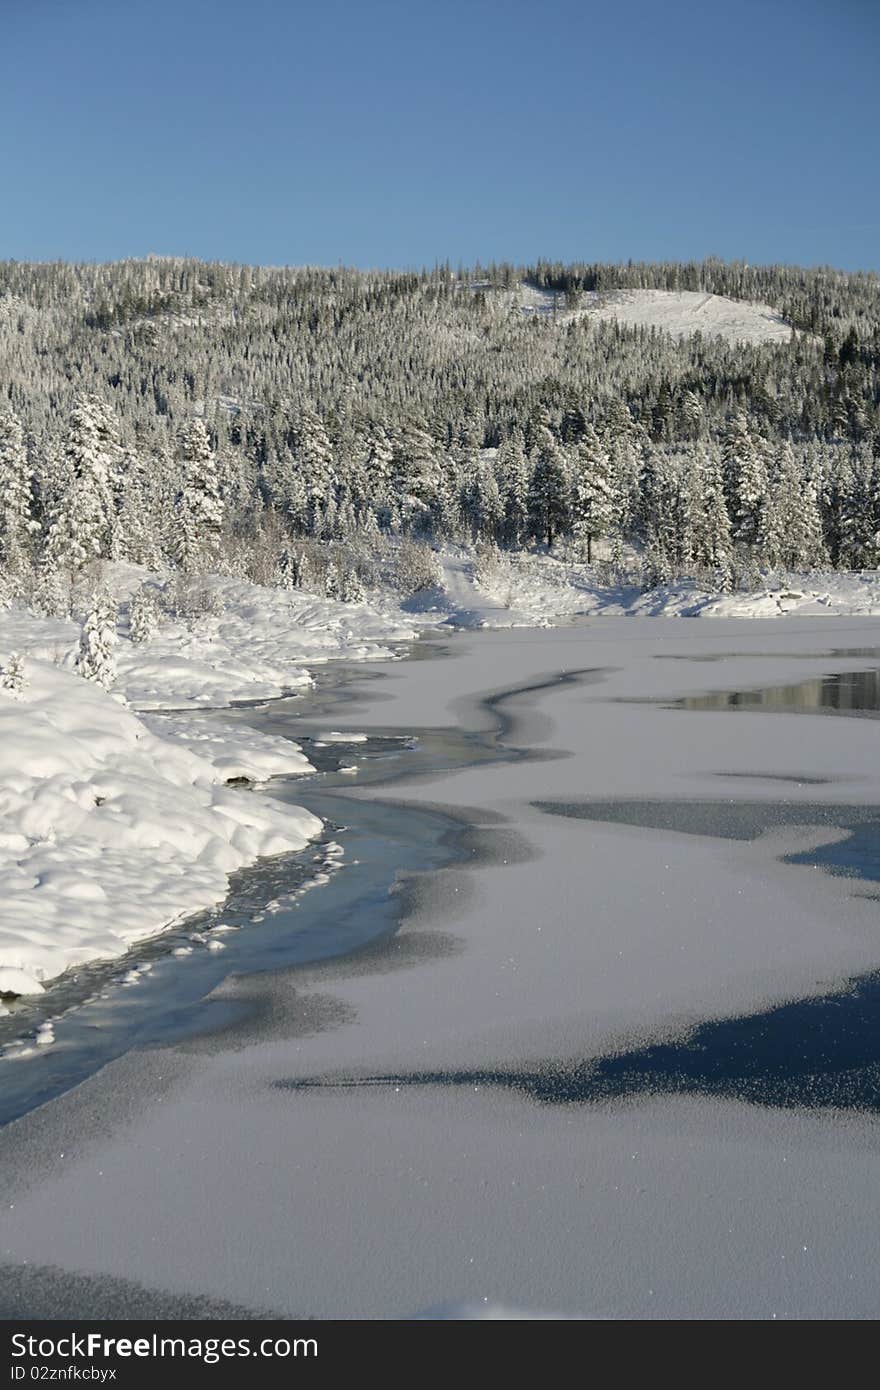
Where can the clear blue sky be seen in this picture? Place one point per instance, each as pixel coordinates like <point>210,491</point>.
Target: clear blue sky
<point>402,132</point>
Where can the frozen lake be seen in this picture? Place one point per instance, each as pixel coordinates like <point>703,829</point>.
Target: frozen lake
<point>617,1057</point>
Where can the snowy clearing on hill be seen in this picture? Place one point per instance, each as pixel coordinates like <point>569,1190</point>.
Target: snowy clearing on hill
<point>678,312</point>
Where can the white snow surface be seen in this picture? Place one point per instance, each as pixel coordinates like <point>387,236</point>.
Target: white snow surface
<point>684,312</point>
<point>258,647</point>
<point>109,831</point>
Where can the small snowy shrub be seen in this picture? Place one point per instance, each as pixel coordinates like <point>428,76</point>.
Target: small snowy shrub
<point>488,564</point>
<point>143,613</point>
<point>95,659</point>
<point>13,679</point>
<point>331,581</point>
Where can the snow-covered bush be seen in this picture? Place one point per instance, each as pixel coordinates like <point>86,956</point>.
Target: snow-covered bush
<point>416,568</point>
<point>488,564</point>
<point>351,589</point>
<point>188,597</point>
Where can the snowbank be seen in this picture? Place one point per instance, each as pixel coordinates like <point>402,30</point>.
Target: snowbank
<point>109,832</point>
<point>257,646</point>
<point>541,591</point>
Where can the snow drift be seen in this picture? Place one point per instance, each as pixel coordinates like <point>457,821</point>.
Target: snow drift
<point>110,832</point>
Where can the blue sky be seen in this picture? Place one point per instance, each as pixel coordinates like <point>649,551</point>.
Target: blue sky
<point>387,133</point>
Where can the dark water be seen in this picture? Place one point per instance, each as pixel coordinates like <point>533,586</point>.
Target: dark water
<point>851,692</point>
<point>856,855</point>
<point>813,1053</point>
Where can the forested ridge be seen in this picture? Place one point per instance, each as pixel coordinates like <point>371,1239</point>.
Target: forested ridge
<point>175,412</point>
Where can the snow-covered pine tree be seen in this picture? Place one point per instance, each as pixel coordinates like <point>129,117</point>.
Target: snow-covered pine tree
<point>549,491</point>
<point>791,528</point>
<point>447,520</point>
<point>690,409</point>
<point>659,499</point>
<point>745,481</point>
<point>95,659</point>
<point>51,593</point>
<point>351,589</point>
<point>593,496</point>
<point>81,520</point>
<point>315,463</point>
<point>859,514</point>
<point>417,465</point>
<point>713,549</point>
<point>484,506</point>
<point>513,473</point>
<point>200,512</point>
<point>378,463</point>
<point>17,522</point>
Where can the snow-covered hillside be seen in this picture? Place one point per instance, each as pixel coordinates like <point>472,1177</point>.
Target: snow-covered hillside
<point>678,312</point>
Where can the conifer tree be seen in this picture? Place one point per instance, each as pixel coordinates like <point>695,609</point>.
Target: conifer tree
<point>143,613</point>
<point>549,492</point>
<point>81,519</point>
<point>791,531</point>
<point>514,475</point>
<point>712,540</point>
<point>593,500</point>
<point>17,522</point>
<point>200,512</point>
<point>315,462</point>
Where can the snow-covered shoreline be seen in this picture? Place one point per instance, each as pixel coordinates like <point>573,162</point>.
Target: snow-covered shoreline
<point>114,824</point>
